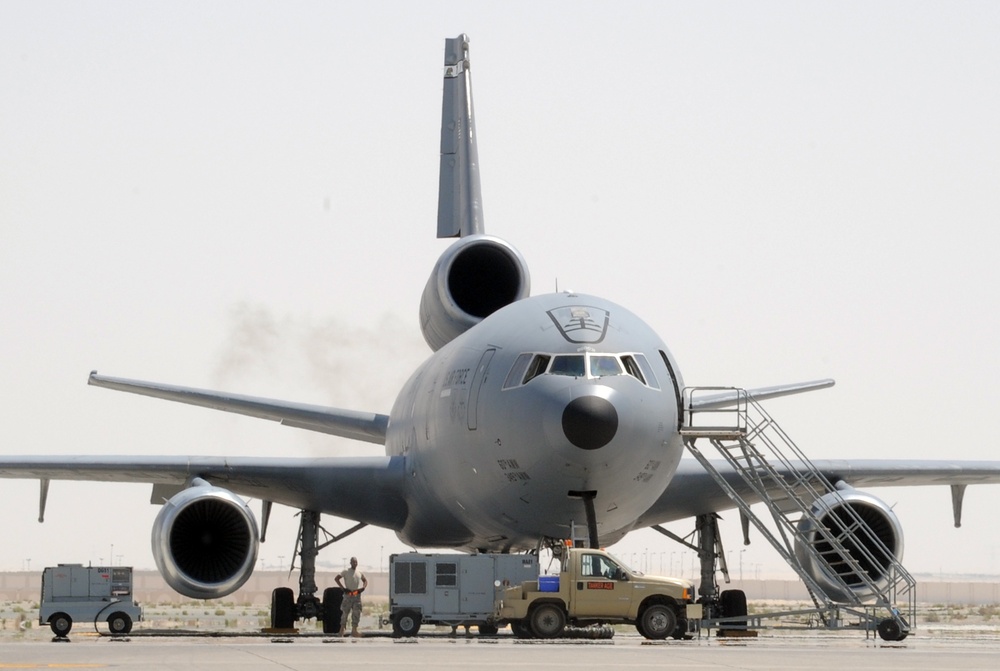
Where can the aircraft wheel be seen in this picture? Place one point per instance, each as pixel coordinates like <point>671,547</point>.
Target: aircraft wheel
<point>658,621</point>
<point>119,623</point>
<point>488,629</point>
<point>548,620</point>
<point>61,623</point>
<point>681,630</point>
<point>333,597</point>
<point>734,604</point>
<point>406,623</point>
<point>282,608</point>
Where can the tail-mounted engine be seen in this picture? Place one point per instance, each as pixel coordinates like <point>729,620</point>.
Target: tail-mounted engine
<point>474,278</point>
<point>205,542</point>
<point>828,566</point>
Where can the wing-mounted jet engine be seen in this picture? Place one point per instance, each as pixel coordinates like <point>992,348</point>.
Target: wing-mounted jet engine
<point>474,278</point>
<point>862,545</point>
<point>205,541</point>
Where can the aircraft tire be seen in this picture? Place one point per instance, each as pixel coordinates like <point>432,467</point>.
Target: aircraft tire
<point>487,629</point>
<point>61,623</point>
<point>734,604</point>
<point>119,623</point>
<point>282,608</point>
<point>333,597</point>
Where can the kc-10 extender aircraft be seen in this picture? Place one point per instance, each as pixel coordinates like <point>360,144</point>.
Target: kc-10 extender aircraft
<point>533,415</point>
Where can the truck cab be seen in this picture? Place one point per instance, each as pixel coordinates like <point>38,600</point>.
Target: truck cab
<point>595,587</point>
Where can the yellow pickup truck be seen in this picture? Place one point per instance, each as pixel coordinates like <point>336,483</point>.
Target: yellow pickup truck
<point>593,587</point>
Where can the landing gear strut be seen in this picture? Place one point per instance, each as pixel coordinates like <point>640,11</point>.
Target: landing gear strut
<point>285,609</point>
<point>730,603</point>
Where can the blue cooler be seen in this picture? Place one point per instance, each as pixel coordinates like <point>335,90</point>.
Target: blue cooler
<point>548,583</point>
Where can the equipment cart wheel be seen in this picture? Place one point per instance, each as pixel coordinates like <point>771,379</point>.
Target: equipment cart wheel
<point>889,630</point>
<point>119,623</point>
<point>406,623</point>
<point>61,623</point>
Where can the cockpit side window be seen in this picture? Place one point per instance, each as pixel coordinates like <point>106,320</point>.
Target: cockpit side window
<point>516,374</point>
<point>632,367</point>
<point>538,365</point>
<point>647,371</point>
<point>570,364</point>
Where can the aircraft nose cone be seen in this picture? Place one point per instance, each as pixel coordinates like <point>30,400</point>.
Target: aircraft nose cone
<point>590,422</point>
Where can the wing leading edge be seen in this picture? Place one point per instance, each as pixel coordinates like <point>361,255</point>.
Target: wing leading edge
<point>366,489</point>
<point>693,491</point>
<point>365,426</point>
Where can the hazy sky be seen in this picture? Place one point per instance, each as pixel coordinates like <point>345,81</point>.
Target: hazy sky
<point>243,196</point>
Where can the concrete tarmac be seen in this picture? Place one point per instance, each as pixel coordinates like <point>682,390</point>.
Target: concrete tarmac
<point>809,651</point>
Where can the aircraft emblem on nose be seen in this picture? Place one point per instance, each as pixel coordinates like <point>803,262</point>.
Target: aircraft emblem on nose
<point>581,324</point>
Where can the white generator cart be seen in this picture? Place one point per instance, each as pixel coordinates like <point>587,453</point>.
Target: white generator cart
<point>452,589</point>
<point>76,593</point>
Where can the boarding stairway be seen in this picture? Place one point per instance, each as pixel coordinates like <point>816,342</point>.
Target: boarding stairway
<point>767,467</point>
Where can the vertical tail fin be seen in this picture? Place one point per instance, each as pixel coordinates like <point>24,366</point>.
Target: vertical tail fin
<point>460,211</point>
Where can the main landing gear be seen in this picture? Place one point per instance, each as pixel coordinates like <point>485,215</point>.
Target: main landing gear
<point>285,608</point>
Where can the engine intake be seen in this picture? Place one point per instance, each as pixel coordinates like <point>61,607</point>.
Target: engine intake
<point>205,542</point>
<point>831,567</point>
<point>475,277</point>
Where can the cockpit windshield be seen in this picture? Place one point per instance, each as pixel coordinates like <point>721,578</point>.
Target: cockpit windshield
<point>590,365</point>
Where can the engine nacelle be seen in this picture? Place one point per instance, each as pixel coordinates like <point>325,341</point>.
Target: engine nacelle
<point>205,542</point>
<point>883,525</point>
<point>474,278</point>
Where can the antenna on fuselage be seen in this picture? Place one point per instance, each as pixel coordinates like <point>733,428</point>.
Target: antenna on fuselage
<point>460,209</point>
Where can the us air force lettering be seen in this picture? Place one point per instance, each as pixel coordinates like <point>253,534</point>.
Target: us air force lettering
<point>533,417</point>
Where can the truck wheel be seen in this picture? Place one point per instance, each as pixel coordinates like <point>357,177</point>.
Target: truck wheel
<point>61,623</point>
<point>119,623</point>
<point>406,623</point>
<point>332,598</point>
<point>282,608</point>
<point>658,621</point>
<point>547,620</point>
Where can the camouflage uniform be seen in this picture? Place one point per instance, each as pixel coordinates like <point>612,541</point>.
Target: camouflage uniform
<point>351,605</point>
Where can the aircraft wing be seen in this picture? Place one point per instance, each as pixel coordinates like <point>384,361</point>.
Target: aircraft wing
<point>730,397</point>
<point>693,491</point>
<point>366,426</point>
<point>366,489</point>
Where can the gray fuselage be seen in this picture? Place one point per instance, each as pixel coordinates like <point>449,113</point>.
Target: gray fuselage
<point>550,395</point>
